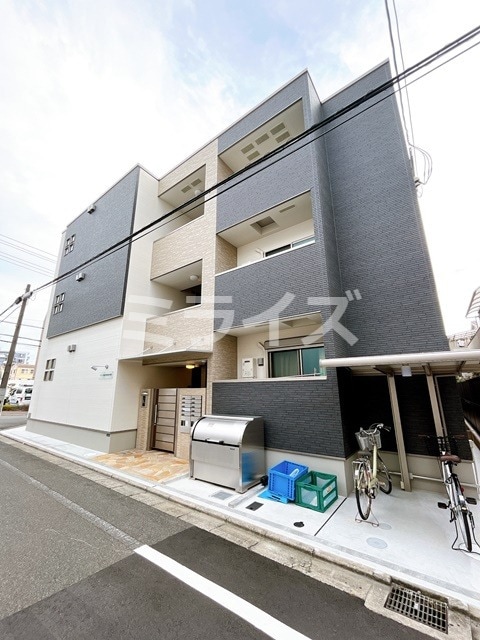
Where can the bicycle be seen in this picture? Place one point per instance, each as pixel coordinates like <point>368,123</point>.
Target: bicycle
<point>460,514</point>
<point>370,472</point>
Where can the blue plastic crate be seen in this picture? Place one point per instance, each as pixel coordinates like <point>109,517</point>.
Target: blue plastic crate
<point>282,477</point>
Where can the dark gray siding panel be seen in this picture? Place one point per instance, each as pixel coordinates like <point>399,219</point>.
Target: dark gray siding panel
<point>256,191</point>
<point>299,416</point>
<point>100,296</point>
<point>271,107</point>
<point>381,245</point>
<point>257,289</point>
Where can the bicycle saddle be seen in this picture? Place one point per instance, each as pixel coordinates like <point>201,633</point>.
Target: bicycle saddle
<point>450,457</point>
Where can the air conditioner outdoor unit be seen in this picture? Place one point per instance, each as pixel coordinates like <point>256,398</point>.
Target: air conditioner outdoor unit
<point>71,348</point>
<point>80,276</point>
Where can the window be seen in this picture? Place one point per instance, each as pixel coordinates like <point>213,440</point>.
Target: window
<point>69,244</point>
<point>49,370</point>
<point>291,245</point>
<point>58,306</point>
<point>296,362</point>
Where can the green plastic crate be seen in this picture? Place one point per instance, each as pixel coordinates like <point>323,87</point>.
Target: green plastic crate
<point>316,491</point>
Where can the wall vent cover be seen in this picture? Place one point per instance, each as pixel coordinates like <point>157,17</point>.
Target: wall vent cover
<point>419,607</point>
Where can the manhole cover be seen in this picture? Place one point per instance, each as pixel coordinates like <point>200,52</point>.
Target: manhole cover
<point>416,606</point>
<point>377,543</point>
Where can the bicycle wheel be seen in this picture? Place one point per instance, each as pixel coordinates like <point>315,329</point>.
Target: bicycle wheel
<point>362,492</point>
<point>383,477</point>
<point>461,514</point>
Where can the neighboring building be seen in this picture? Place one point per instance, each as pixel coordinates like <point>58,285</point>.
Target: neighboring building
<point>18,358</point>
<point>230,305</point>
<point>473,312</point>
<point>21,372</point>
<point>469,339</point>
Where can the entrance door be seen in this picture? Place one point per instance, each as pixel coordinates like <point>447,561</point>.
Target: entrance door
<point>164,420</point>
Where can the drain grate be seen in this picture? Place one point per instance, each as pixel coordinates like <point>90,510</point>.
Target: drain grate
<point>415,605</point>
<point>254,506</point>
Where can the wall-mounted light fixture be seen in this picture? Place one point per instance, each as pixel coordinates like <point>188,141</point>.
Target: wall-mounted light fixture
<point>99,366</point>
<point>194,277</point>
<point>190,366</point>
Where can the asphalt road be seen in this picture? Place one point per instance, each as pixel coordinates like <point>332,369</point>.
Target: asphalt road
<point>10,419</point>
<point>73,566</point>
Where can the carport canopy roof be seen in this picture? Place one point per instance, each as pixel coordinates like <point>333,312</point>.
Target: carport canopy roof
<point>433,363</point>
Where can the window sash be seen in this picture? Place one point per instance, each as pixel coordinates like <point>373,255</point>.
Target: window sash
<point>286,363</point>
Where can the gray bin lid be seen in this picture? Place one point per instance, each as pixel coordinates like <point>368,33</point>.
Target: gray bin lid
<point>221,429</point>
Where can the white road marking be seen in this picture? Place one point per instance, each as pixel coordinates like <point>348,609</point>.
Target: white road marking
<point>105,526</point>
<point>240,607</point>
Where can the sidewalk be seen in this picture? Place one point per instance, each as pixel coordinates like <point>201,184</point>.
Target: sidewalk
<point>408,540</point>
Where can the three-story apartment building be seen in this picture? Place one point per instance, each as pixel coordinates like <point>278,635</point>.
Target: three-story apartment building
<point>292,239</point>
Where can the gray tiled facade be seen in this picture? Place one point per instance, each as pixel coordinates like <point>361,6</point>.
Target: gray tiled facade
<point>100,295</point>
<point>368,239</point>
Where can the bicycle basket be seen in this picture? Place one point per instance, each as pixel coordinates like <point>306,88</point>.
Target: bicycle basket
<point>367,439</point>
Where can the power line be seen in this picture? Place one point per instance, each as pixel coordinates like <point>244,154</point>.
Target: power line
<point>403,89</point>
<point>49,256</point>
<point>31,326</point>
<point>31,266</point>
<point>7,335</point>
<point>389,84</point>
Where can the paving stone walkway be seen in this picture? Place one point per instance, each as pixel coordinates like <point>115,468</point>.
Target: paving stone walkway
<point>157,466</point>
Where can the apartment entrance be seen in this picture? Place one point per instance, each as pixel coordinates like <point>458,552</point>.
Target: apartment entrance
<point>175,411</point>
<point>164,420</point>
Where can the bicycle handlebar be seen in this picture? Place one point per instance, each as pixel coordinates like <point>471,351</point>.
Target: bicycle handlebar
<point>376,426</point>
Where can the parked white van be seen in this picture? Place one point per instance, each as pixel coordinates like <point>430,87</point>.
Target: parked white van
<point>21,394</point>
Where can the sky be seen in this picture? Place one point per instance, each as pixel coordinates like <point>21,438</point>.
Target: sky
<point>90,88</point>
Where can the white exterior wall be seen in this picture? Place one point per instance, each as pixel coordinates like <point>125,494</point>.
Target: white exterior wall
<point>142,298</point>
<point>248,253</point>
<point>78,395</point>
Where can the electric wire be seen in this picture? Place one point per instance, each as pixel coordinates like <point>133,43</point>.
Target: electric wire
<point>49,256</point>
<point>19,262</point>
<point>407,98</point>
<point>28,251</point>
<point>31,326</point>
<point>182,209</point>
<point>6,335</point>
<point>409,130</point>
<point>395,65</point>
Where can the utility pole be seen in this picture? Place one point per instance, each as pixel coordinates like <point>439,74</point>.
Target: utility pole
<point>11,355</point>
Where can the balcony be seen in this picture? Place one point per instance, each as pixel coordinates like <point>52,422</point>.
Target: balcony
<point>181,195</point>
<point>287,226</point>
<point>269,136</point>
